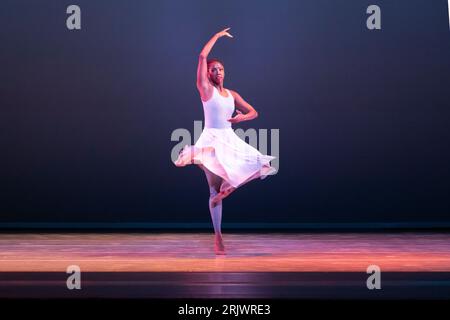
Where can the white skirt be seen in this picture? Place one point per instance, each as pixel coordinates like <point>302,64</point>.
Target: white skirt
<point>222,152</point>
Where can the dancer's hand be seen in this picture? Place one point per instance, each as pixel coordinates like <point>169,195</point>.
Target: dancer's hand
<point>224,33</point>
<point>237,118</point>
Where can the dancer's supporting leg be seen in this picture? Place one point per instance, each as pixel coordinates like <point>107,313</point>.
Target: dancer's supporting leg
<point>214,183</point>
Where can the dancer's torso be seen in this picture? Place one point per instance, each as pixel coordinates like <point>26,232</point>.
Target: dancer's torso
<point>218,109</point>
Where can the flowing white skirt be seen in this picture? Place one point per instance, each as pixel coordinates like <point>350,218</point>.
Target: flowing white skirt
<point>225,154</point>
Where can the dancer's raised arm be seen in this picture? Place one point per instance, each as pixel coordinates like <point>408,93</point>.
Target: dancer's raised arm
<point>203,85</point>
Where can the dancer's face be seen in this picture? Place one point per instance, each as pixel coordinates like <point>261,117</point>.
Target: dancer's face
<point>216,73</point>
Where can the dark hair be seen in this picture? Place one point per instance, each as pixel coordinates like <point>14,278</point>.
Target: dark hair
<point>212,60</point>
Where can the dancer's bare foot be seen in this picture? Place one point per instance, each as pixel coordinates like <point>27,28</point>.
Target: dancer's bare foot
<point>219,248</point>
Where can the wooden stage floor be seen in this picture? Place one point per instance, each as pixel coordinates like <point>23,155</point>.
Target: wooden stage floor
<point>275,265</point>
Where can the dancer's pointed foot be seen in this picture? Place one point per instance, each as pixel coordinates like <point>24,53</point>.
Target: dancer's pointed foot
<point>219,248</point>
<point>222,195</point>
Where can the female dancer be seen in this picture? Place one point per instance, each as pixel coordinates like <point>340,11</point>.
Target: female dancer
<point>228,161</point>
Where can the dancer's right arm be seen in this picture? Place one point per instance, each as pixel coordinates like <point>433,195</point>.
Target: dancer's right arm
<point>203,85</point>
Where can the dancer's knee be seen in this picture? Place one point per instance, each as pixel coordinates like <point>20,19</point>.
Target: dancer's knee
<point>213,191</point>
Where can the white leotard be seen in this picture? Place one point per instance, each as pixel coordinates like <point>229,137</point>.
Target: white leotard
<point>218,109</point>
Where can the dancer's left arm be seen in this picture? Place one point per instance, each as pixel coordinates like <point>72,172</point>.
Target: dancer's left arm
<point>245,111</point>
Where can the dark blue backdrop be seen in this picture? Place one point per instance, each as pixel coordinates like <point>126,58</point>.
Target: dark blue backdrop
<point>86,116</point>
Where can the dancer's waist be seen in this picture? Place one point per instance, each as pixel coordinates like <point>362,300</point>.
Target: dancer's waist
<point>225,126</point>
